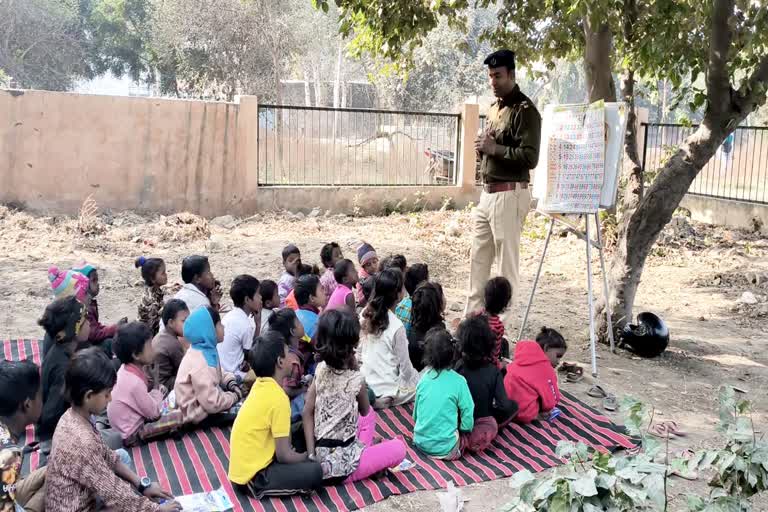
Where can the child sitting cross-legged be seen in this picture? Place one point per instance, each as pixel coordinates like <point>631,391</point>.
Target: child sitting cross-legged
<point>240,327</point>
<point>427,312</point>
<point>531,380</point>
<point>415,275</point>
<point>81,467</point>
<point>493,409</point>
<point>270,302</point>
<point>311,299</point>
<point>297,361</point>
<point>386,364</point>
<point>498,294</point>
<point>330,255</point>
<point>136,411</point>
<point>291,263</point>
<point>151,305</point>
<point>444,410</point>
<point>345,274</point>
<point>203,391</point>
<point>262,460</point>
<point>169,344</point>
<point>339,423</point>
<point>21,401</point>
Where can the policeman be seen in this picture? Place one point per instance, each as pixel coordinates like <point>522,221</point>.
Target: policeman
<point>508,150</point>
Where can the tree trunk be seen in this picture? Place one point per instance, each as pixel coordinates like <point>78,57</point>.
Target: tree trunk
<point>598,50</point>
<point>640,226</point>
<point>644,214</point>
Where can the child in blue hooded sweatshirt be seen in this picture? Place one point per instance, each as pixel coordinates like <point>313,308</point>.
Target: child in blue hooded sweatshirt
<point>202,389</point>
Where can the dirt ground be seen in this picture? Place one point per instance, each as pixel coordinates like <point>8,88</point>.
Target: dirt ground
<point>696,280</point>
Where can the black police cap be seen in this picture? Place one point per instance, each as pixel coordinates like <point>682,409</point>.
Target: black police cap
<point>501,58</point>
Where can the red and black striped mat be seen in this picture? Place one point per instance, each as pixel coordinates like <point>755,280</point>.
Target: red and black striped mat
<point>198,461</point>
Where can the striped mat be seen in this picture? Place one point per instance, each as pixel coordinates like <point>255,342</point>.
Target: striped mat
<point>198,461</point>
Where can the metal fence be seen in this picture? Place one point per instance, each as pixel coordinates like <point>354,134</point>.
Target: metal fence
<point>739,169</point>
<point>327,146</point>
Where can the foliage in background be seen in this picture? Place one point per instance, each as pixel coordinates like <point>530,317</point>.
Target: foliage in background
<point>41,43</point>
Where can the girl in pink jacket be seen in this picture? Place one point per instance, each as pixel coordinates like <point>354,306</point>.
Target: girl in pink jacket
<point>531,380</point>
<point>137,411</point>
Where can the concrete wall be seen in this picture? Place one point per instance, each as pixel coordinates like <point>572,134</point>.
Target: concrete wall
<point>725,212</point>
<point>161,155</point>
<point>130,153</point>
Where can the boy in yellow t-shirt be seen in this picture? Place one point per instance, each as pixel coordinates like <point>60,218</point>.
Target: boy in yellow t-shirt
<point>262,458</point>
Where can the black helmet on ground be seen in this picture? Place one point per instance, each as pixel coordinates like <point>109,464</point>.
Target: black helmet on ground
<point>648,338</point>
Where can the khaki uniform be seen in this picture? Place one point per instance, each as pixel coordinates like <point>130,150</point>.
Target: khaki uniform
<point>498,219</point>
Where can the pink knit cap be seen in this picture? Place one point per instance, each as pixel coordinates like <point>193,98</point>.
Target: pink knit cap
<point>67,283</point>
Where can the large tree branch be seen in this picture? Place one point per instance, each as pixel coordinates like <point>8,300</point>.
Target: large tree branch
<point>718,82</point>
<point>753,93</point>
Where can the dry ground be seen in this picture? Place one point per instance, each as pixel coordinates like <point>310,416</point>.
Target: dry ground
<point>694,280</point>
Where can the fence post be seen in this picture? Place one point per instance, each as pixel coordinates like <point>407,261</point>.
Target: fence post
<point>248,143</point>
<point>470,120</point>
<point>641,114</point>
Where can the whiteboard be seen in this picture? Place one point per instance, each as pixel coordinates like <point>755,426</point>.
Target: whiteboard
<point>568,178</point>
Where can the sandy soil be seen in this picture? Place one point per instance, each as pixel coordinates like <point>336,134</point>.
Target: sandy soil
<point>694,280</point>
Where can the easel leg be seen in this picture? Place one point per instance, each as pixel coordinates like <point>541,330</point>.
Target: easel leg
<point>536,280</point>
<point>608,312</point>
<point>590,301</point>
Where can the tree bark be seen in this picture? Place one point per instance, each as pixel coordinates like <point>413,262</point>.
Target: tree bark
<point>598,67</point>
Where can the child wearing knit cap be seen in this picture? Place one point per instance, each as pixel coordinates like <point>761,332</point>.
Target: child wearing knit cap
<point>100,334</point>
<point>66,284</point>
<point>369,262</point>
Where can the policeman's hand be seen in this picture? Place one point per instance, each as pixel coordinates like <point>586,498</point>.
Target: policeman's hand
<point>486,144</point>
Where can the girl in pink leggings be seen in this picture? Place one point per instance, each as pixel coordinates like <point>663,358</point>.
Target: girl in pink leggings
<point>339,422</point>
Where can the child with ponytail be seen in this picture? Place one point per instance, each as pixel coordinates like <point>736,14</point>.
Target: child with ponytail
<point>386,364</point>
<point>151,305</point>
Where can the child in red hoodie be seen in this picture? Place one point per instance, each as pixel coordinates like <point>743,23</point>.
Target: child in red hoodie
<point>531,380</point>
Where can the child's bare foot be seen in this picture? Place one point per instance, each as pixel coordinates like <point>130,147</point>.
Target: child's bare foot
<point>384,402</point>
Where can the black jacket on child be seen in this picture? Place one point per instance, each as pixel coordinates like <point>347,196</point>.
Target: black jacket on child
<point>486,384</point>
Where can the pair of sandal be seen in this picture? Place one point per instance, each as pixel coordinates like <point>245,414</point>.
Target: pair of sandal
<point>573,372</point>
<point>666,429</point>
<point>610,402</point>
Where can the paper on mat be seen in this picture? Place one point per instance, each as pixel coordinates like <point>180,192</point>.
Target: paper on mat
<point>213,501</point>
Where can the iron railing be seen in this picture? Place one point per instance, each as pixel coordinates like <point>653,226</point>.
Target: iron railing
<point>739,169</point>
<point>313,146</point>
